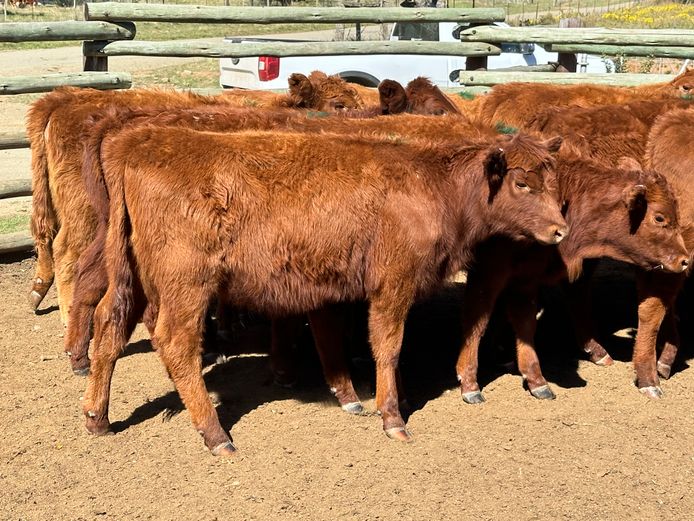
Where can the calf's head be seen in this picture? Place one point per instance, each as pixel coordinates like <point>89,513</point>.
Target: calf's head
<point>643,222</point>
<point>521,198</point>
<point>684,83</point>
<point>420,97</point>
<point>321,92</point>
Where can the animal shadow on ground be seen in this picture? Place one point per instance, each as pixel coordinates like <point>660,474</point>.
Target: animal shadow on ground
<point>242,380</point>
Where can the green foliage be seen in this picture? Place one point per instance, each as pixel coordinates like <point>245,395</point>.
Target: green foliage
<point>14,223</point>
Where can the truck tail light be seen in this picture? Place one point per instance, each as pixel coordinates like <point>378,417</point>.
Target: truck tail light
<point>268,68</point>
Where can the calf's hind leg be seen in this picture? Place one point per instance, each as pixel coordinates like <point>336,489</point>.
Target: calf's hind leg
<point>113,325</point>
<point>91,282</point>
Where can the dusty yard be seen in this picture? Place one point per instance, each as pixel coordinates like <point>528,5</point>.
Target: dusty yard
<point>599,451</point>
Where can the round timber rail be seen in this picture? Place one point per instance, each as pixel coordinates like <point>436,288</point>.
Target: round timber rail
<point>63,31</point>
<point>571,78</point>
<point>625,50</point>
<point>15,188</point>
<point>656,37</point>
<point>16,241</point>
<point>182,48</point>
<point>48,82</point>
<point>9,141</point>
<point>112,11</point>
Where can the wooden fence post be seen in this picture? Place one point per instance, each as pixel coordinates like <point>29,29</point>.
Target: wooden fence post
<point>568,60</point>
<point>95,63</point>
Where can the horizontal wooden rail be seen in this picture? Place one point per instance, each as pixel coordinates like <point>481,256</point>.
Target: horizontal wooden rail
<point>15,188</point>
<point>657,37</point>
<point>284,49</point>
<point>48,82</point>
<point>625,50</point>
<point>59,31</point>
<point>14,242</point>
<point>495,78</point>
<point>270,15</point>
<point>9,141</point>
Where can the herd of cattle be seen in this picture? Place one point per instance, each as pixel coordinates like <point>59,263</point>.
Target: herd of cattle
<point>151,205</point>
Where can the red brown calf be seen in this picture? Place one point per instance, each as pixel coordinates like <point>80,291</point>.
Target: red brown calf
<point>90,281</point>
<point>625,215</point>
<point>517,103</point>
<point>290,223</point>
<point>55,125</point>
<point>669,150</point>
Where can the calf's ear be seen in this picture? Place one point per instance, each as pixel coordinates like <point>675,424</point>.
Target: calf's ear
<point>636,203</point>
<point>495,169</point>
<point>393,97</point>
<point>554,144</point>
<point>300,88</point>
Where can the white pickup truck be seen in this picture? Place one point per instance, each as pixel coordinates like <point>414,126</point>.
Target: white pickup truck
<point>269,72</point>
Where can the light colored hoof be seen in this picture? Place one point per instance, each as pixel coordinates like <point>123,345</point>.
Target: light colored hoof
<point>353,408</point>
<point>224,449</point>
<point>399,434</point>
<point>664,370</point>
<point>473,397</point>
<point>605,361</point>
<point>35,299</point>
<point>652,391</point>
<point>543,393</point>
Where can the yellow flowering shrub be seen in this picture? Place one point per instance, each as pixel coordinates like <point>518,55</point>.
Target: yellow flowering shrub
<point>663,16</point>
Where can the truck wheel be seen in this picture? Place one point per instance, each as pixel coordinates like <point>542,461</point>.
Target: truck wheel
<point>360,78</point>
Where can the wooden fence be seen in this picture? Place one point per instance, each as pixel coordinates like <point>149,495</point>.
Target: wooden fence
<point>109,29</point>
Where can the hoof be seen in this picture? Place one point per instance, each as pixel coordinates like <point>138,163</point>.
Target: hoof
<point>35,299</point>
<point>473,397</point>
<point>652,391</point>
<point>225,449</point>
<point>664,370</point>
<point>399,434</point>
<point>98,427</point>
<point>353,408</point>
<point>81,371</point>
<point>543,393</point>
<point>605,361</point>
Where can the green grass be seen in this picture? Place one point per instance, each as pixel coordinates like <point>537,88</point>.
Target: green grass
<point>14,223</point>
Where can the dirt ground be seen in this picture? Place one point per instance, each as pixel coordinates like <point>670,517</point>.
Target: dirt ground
<point>599,451</point>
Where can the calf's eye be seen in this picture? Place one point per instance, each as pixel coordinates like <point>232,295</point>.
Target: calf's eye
<point>659,219</point>
<point>521,185</point>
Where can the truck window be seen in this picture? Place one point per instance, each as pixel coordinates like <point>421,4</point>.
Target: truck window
<point>428,32</point>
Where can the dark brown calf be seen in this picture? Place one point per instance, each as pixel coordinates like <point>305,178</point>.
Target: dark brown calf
<point>625,215</point>
<point>90,281</point>
<point>290,223</point>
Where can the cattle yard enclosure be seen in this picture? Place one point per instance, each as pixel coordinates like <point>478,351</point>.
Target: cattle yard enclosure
<point>600,450</point>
